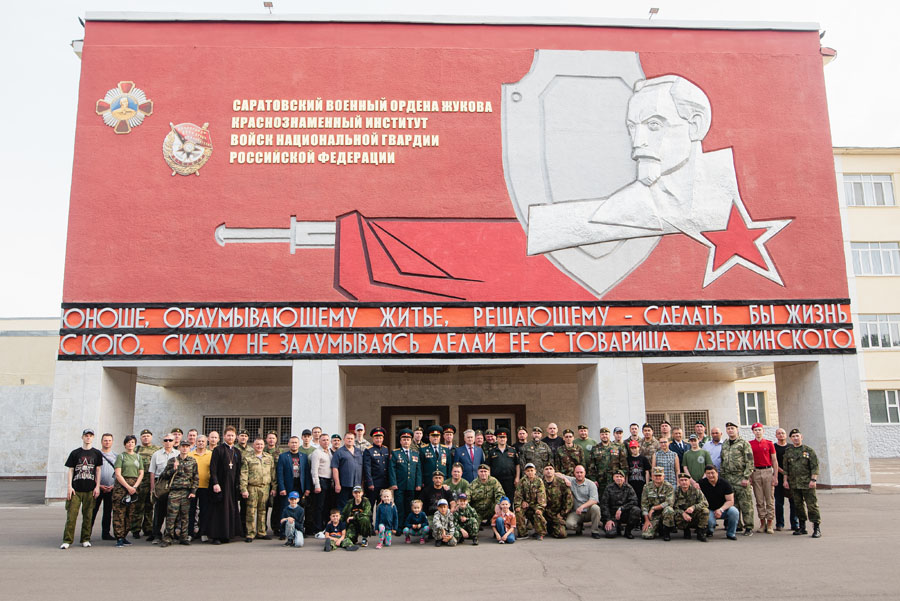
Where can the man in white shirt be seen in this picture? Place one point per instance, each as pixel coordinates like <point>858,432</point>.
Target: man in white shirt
<point>320,470</point>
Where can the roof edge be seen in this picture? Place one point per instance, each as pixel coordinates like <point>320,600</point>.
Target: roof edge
<point>454,20</point>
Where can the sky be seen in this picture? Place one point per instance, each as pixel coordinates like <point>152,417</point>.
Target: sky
<point>40,73</point>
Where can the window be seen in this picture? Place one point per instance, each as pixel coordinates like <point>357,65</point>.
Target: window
<point>876,258</point>
<point>868,190</point>
<point>884,406</point>
<point>256,425</point>
<point>879,331</point>
<point>679,419</point>
<point>752,406</point>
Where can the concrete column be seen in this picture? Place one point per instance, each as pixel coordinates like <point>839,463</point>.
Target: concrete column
<point>86,395</point>
<point>611,393</point>
<point>318,396</point>
<point>822,398</point>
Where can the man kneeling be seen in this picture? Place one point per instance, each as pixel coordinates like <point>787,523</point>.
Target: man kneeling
<point>691,508</point>
<point>619,508</point>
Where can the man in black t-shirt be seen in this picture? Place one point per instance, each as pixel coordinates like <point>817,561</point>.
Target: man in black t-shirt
<point>83,477</point>
<point>432,494</point>
<point>720,496</point>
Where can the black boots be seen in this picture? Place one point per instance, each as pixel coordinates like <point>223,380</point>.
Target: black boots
<point>687,534</point>
<point>665,533</point>
<point>701,534</point>
<point>801,529</point>
<point>816,532</point>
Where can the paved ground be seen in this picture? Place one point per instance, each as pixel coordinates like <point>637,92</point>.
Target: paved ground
<point>855,558</point>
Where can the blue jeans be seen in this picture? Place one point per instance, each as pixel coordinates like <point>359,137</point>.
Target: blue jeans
<point>731,520</point>
<point>779,508</point>
<point>501,530</point>
<point>292,532</point>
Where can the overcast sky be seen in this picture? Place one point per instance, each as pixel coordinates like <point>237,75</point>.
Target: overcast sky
<point>40,75</point>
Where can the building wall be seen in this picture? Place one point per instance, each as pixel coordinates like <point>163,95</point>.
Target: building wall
<point>879,368</point>
<point>27,362</point>
<point>719,398</point>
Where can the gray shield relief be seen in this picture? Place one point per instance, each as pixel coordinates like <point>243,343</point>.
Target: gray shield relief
<point>564,140</point>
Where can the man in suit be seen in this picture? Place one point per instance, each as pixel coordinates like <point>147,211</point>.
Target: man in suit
<point>469,456</point>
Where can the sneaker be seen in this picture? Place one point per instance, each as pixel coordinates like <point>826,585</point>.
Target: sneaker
<point>136,535</point>
<point>86,544</point>
<point>164,544</point>
<point>185,541</point>
<point>320,535</point>
<point>421,540</point>
<point>730,537</point>
<point>125,541</point>
<point>155,541</point>
<point>64,546</point>
<point>119,543</point>
<point>538,537</point>
<point>288,543</point>
<point>150,538</point>
<point>748,531</point>
<point>379,545</point>
<point>501,541</point>
<point>437,543</point>
<point>353,548</point>
<point>327,548</point>
<point>248,539</point>
<point>779,528</point>
<point>204,538</point>
<point>364,542</point>
<point>408,541</point>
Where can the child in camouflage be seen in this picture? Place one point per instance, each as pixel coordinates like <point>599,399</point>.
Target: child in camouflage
<point>466,520</point>
<point>416,523</point>
<point>385,519</point>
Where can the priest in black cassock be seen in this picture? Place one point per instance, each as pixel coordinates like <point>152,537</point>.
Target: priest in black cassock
<point>224,480</point>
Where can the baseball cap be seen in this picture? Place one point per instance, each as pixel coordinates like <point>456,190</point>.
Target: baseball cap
<point>306,433</point>
<point>357,489</point>
<point>442,502</point>
<point>633,443</point>
<point>528,465</point>
<point>360,426</point>
<point>88,431</point>
<point>293,495</point>
<point>693,437</point>
<point>617,429</point>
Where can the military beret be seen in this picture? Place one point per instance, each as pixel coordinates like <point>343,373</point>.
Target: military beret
<point>568,431</point>
<point>405,432</point>
<point>646,426</point>
<point>357,489</point>
<point>437,473</point>
<point>659,471</point>
<point>333,436</point>
<point>617,429</point>
<point>502,432</point>
<point>173,430</point>
<point>306,432</point>
<point>377,431</point>
<point>633,443</point>
<point>665,421</point>
<point>185,442</point>
<point>418,429</point>
<point>537,429</point>
<point>619,473</point>
<point>794,431</point>
<point>489,431</point>
<point>244,432</point>
<point>477,432</point>
<point>146,431</point>
<point>756,425</point>
<point>528,465</point>
<point>275,432</point>
<point>684,476</point>
<point>699,422</point>
<point>727,424</point>
<point>604,429</point>
<point>521,429</point>
<point>484,466</point>
<point>449,428</point>
<point>582,427</point>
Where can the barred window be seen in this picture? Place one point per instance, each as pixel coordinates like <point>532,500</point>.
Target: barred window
<point>255,425</point>
<point>865,190</point>
<point>679,419</point>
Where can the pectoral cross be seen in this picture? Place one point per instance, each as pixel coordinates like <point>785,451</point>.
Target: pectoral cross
<point>230,465</point>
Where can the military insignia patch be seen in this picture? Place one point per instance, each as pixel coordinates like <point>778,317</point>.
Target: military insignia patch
<point>124,107</point>
<point>187,147</point>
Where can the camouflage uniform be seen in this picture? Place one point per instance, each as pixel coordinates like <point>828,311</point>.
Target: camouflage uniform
<point>483,496</point>
<point>654,495</point>
<point>471,525</point>
<point>801,464</point>
<point>143,507</point>
<point>559,504</point>
<point>538,453</point>
<point>615,498</point>
<point>737,465</point>
<point>185,482</point>
<point>605,459</point>
<point>443,524</point>
<point>649,448</point>
<point>693,497</point>
<point>567,458</point>
<point>533,493</point>
<point>361,526</point>
<point>258,480</point>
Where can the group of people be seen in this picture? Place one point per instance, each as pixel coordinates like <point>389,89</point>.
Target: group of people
<point>345,489</point>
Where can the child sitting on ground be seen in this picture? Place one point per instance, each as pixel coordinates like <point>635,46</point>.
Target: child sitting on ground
<point>466,520</point>
<point>504,523</point>
<point>385,519</point>
<point>336,533</point>
<point>416,523</point>
<point>442,527</point>
<point>292,521</point>
<point>357,514</point>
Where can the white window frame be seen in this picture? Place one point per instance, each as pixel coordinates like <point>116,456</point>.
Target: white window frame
<point>758,408</point>
<point>879,331</point>
<point>891,401</point>
<point>861,190</point>
<point>875,258</point>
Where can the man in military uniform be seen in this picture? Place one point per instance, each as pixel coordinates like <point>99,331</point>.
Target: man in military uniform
<point>584,441</point>
<point>691,508</point>
<point>531,500</point>
<point>449,433</point>
<point>737,465</point>
<point>536,452</point>
<point>484,493</point>
<point>606,459</point>
<point>246,451</point>
<point>656,506</point>
<point>649,443</point>
<point>433,456</point>
<point>143,508</point>
<point>700,431</point>
<point>375,466</point>
<point>276,502</point>
<point>620,509</point>
<point>418,439</point>
<point>559,502</point>
<point>521,439</point>
<point>623,446</point>
<point>182,472</point>
<point>404,474</point>
<point>504,463</point>
<point>802,468</point>
<point>257,485</point>
<point>490,441</point>
<point>569,455</point>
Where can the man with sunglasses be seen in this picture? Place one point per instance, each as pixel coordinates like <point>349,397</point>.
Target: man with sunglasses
<point>158,462</point>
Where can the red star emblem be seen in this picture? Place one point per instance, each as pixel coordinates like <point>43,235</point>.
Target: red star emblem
<point>742,242</point>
